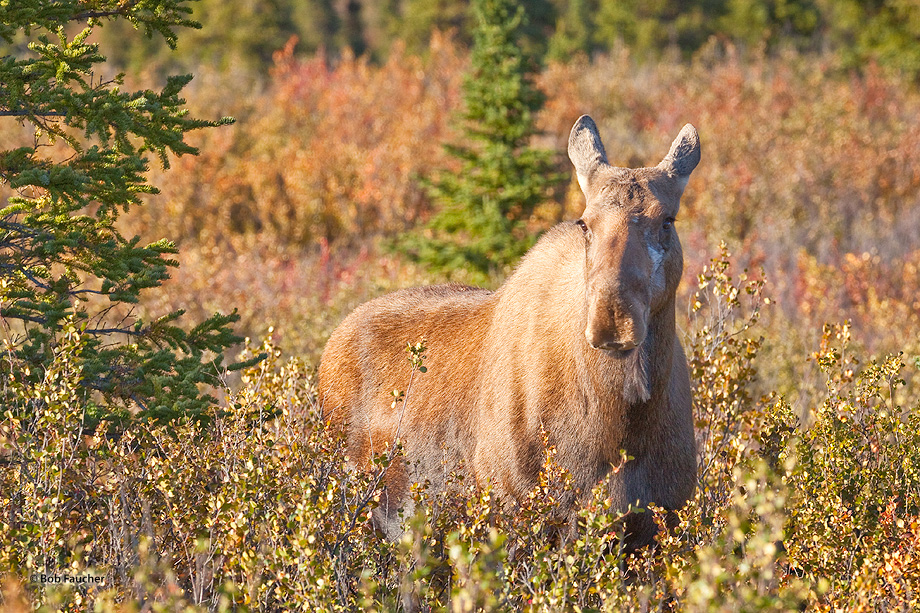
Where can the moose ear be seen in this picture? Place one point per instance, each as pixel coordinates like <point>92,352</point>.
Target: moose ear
<point>683,156</point>
<point>586,150</point>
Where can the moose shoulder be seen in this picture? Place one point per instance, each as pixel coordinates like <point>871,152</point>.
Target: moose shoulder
<point>579,343</point>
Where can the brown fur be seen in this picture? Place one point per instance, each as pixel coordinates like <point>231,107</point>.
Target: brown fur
<point>502,365</point>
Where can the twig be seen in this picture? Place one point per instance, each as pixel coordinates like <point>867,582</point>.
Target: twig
<point>24,113</point>
<point>123,10</point>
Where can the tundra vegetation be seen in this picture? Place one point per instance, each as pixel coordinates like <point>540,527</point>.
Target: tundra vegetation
<point>798,312</point>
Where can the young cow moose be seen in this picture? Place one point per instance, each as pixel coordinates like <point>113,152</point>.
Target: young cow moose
<point>579,343</point>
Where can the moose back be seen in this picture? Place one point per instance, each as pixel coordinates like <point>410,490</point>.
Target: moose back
<point>578,343</point>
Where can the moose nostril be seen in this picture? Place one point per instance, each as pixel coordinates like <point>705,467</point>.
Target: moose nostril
<point>614,345</point>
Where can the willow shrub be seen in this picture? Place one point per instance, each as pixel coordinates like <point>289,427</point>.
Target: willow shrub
<point>257,508</point>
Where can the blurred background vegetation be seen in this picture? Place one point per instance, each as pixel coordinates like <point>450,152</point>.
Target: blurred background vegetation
<point>247,32</point>
<point>807,109</point>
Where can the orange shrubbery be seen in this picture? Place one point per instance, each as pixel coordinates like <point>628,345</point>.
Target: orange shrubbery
<point>878,295</point>
<point>278,214</point>
<point>304,294</point>
<point>321,152</point>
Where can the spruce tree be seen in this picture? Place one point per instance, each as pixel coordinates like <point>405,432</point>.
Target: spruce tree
<point>574,31</point>
<point>317,23</point>
<point>482,209</point>
<point>353,28</point>
<point>63,262</point>
<point>415,20</point>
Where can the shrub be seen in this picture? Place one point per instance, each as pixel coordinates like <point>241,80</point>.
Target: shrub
<point>857,483</point>
<point>327,150</point>
<point>258,508</point>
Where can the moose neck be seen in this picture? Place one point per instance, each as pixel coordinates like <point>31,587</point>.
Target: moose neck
<point>552,277</point>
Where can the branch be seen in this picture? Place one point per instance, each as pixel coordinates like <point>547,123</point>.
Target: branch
<point>25,271</point>
<point>95,292</point>
<point>119,12</point>
<point>97,14</point>
<point>32,114</point>
<point>23,317</point>
<point>126,331</point>
<point>23,229</point>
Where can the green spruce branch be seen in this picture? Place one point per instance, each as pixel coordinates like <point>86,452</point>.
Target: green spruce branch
<point>63,263</point>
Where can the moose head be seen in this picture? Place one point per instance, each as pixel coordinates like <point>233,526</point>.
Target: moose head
<point>632,253</point>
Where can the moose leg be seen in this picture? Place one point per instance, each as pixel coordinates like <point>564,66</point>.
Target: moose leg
<point>408,590</point>
<point>388,518</point>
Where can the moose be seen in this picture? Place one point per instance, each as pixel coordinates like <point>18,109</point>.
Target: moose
<point>578,348</point>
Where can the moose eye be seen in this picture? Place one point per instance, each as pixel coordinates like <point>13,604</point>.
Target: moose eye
<point>581,224</point>
<point>668,224</point>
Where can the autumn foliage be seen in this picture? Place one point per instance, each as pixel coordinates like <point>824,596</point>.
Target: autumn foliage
<point>807,173</point>
<point>322,153</point>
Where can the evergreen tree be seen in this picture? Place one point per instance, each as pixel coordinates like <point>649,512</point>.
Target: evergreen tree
<point>418,18</point>
<point>574,31</point>
<point>62,260</point>
<point>539,24</point>
<point>482,209</point>
<point>240,34</point>
<point>770,21</point>
<point>646,26</point>
<point>316,23</point>
<point>886,31</point>
<point>353,28</point>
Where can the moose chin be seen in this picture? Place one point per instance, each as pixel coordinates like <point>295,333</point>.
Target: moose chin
<point>579,345</point>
